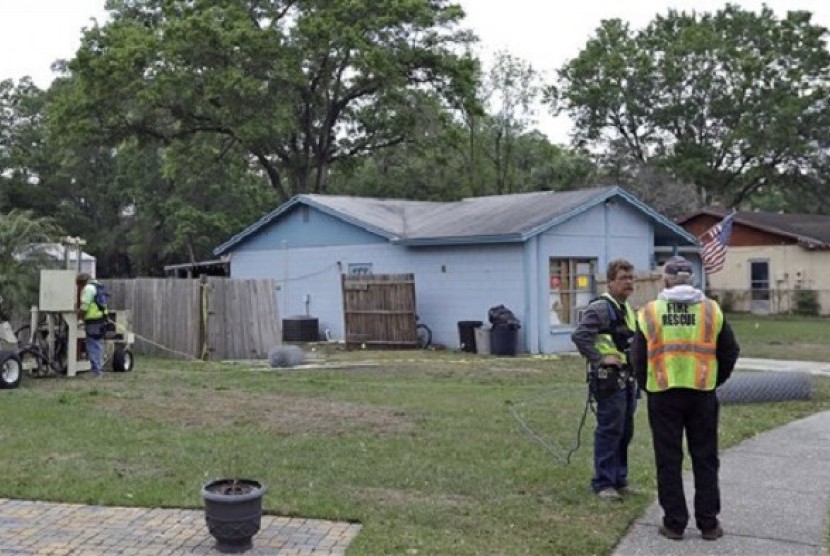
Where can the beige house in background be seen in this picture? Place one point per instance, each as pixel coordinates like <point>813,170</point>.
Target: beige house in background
<point>774,261</point>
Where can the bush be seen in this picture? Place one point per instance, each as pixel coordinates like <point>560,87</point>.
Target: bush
<point>805,302</point>
<point>728,302</point>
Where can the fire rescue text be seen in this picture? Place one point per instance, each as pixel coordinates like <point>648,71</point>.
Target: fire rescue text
<point>678,315</point>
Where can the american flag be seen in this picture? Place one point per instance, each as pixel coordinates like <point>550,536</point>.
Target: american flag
<point>715,240</point>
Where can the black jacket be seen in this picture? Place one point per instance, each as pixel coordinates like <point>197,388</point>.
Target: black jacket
<point>597,319</point>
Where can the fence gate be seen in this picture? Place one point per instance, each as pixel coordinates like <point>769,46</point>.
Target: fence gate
<point>379,311</point>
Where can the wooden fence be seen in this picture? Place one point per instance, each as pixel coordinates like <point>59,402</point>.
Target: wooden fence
<point>646,288</point>
<point>212,318</point>
<point>379,310</point>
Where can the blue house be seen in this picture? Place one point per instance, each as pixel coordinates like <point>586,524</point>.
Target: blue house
<point>538,254</point>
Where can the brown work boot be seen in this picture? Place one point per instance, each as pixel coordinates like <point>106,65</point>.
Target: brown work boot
<point>670,533</point>
<point>712,534</point>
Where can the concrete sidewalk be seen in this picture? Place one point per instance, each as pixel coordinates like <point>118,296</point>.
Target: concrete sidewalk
<point>782,366</point>
<point>775,492</point>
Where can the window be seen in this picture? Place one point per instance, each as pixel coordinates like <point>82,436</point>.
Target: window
<point>572,286</point>
<point>759,280</point>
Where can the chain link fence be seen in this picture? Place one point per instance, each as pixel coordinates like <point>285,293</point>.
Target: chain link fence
<point>752,387</point>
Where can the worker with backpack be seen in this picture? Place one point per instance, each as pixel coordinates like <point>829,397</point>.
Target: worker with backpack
<point>93,311</point>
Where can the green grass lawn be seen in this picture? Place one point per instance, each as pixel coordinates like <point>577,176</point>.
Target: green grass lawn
<point>782,336</point>
<point>420,447</point>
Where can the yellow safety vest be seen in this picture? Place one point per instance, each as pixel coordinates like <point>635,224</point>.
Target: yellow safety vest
<point>682,341</point>
<point>93,311</point>
<point>605,342</point>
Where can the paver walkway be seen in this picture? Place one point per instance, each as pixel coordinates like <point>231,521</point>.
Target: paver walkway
<point>45,528</point>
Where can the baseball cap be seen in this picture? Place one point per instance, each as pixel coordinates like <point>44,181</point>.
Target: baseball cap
<point>676,265</point>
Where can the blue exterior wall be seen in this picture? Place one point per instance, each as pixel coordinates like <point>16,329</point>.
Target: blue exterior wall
<point>607,231</point>
<point>451,283</point>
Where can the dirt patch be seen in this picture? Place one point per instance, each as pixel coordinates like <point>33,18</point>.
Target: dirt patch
<point>281,414</point>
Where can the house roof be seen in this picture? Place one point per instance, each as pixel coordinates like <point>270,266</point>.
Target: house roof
<point>56,251</point>
<point>491,219</point>
<point>810,230</point>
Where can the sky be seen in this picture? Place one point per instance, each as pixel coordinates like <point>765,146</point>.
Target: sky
<point>35,33</point>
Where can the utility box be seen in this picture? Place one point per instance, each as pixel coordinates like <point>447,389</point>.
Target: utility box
<point>58,292</point>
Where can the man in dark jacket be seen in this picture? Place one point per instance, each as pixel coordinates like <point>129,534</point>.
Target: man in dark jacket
<point>683,350</point>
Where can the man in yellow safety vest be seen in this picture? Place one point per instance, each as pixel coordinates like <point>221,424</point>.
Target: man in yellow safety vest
<point>682,351</point>
<point>95,321</point>
<point>603,337</point>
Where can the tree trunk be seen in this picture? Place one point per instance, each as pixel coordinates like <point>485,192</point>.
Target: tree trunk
<point>274,177</point>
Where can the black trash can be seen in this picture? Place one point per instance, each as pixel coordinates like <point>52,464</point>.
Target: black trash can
<point>503,339</point>
<point>467,334</point>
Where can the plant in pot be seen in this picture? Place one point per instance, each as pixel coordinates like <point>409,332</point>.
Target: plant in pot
<point>233,510</point>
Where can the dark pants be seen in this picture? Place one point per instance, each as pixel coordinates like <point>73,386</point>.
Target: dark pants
<point>95,344</point>
<point>615,428</point>
<point>670,413</point>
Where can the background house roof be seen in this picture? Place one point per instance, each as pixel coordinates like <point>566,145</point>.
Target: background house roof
<point>810,230</point>
<point>56,251</point>
<point>491,219</point>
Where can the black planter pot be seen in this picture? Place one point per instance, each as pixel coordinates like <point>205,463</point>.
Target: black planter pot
<point>233,512</point>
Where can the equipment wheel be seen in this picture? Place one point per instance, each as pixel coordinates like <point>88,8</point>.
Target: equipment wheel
<point>122,360</point>
<point>424,336</point>
<point>11,371</point>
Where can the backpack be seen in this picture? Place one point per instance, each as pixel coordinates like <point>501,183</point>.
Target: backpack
<point>102,296</point>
